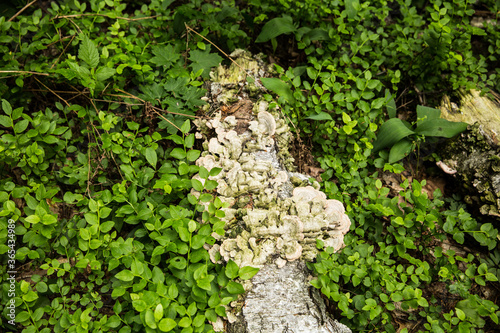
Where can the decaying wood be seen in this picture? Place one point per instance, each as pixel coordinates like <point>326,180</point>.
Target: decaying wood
<point>275,214</point>
<point>473,157</point>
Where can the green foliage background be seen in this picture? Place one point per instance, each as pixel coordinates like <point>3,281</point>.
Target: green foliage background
<point>97,175</point>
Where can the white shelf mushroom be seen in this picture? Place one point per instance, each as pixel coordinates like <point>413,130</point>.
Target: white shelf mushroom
<point>267,123</point>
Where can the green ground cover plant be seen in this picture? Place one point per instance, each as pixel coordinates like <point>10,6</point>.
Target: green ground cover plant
<point>97,174</point>
<point>403,139</point>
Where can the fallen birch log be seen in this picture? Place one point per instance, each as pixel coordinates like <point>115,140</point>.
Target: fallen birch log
<point>275,215</point>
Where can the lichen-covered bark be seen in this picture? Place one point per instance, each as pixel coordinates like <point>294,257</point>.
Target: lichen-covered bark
<point>274,216</point>
<point>474,156</point>
<point>281,300</point>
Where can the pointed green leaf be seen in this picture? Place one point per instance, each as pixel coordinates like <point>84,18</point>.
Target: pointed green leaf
<point>33,219</point>
<point>185,322</point>
<point>460,314</point>
<point>20,126</point>
<point>235,288</point>
<point>469,308</point>
<point>125,275</point>
<point>67,73</point>
<point>178,153</point>
<point>345,118</point>
<point>22,316</point>
<point>204,60</point>
<point>150,319</point>
<point>139,305</point>
<point>95,243</point>
<point>390,133</point>
<point>440,127</point>
<point>7,108</point>
<point>400,150</point>
<point>278,87</point>
<point>17,113</point>
<point>197,185</point>
<point>247,272</point>
<point>215,171</point>
<point>30,296</point>
<point>352,7</point>
<point>491,277</point>
<point>88,52</point>
<point>151,156</point>
<point>167,324</point>
<point>232,269</point>
<point>104,73</point>
<point>106,226</point>
<point>275,27</point>
<point>391,105</point>
<point>320,116</point>
<point>5,121</point>
<point>186,126</point>
<point>179,263</point>
<point>426,113</point>
<point>204,283</point>
<point>317,34</point>
<point>459,237</point>
<point>192,155</point>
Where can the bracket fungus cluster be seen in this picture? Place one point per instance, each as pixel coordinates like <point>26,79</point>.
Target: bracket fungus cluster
<point>269,218</point>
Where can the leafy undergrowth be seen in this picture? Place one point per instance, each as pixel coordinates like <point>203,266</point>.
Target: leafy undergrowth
<point>96,214</point>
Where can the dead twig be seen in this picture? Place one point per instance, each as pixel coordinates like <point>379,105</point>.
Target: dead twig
<point>117,102</point>
<point>59,40</point>
<point>176,113</point>
<point>159,114</point>
<point>57,60</point>
<point>57,91</point>
<point>67,104</point>
<point>24,72</point>
<point>105,15</point>
<point>76,25</point>
<point>22,10</point>
<point>189,29</point>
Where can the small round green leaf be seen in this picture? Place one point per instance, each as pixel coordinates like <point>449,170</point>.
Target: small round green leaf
<point>167,324</point>
<point>125,275</point>
<point>178,153</point>
<point>151,156</point>
<point>232,269</point>
<point>460,314</point>
<point>235,288</point>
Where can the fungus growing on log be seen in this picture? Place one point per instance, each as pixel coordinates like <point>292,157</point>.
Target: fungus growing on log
<point>251,168</point>
<point>271,223</point>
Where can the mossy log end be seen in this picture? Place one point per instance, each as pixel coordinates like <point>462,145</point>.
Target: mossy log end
<point>475,154</point>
